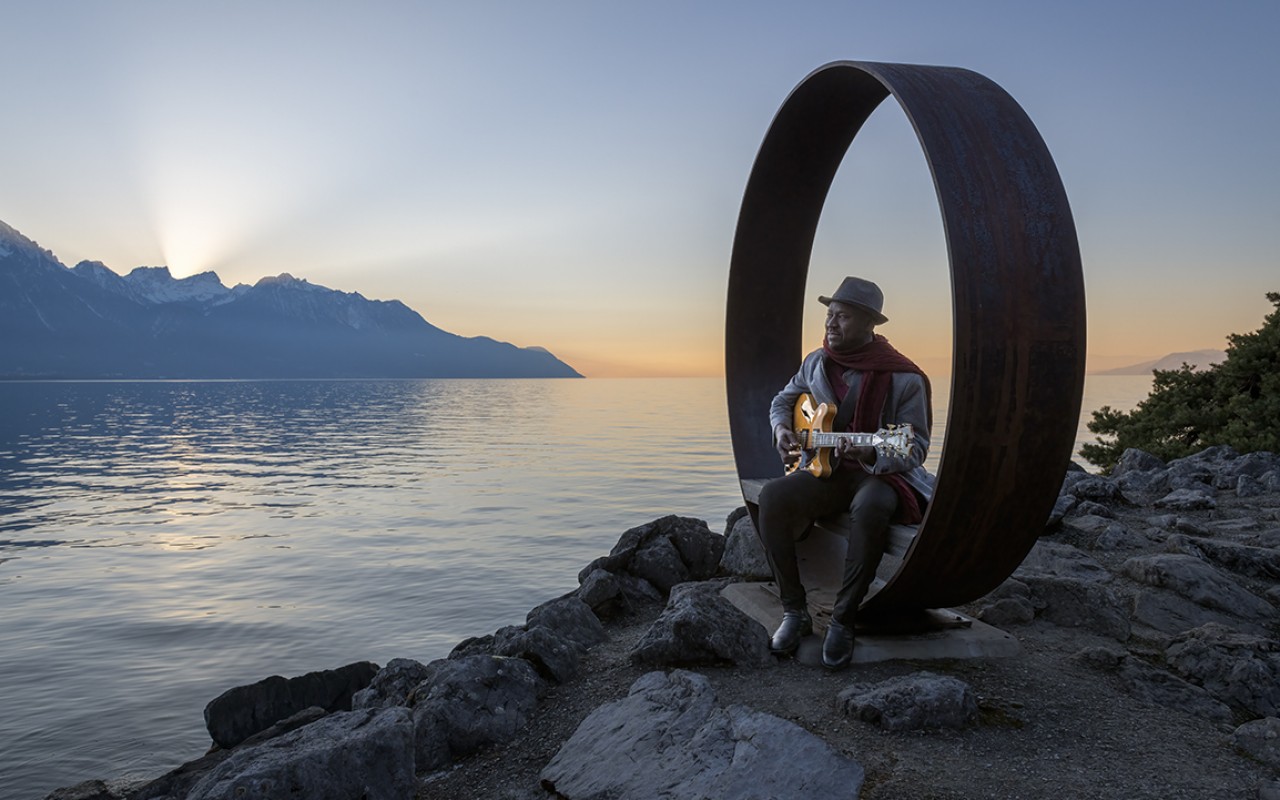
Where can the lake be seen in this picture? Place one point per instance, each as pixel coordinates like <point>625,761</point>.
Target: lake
<point>161,542</point>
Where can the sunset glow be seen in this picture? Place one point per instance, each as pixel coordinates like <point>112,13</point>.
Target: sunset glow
<point>568,175</point>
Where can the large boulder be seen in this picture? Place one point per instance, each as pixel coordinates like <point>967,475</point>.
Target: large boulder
<point>668,740</point>
<point>471,702</point>
<point>1198,582</point>
<point>743,552</point>
<point>699,626</point>
<point>1171,613</point>
<point>364,754</point>
<point>556,658</point>
<point>1010,603</point>
<point>1260,738</point>
<point>1240,669</point>
<point>1079,603</point>
<point>568,618</point>
<point>665,552</point>
<point>912,702</point>
<point>1187,499</point>
<point>1155,686</point>
<point>392,685</point>
<point>1062,560</point>
<point>177,783</point>
<point>240,712</point>
<point>1257,562</point>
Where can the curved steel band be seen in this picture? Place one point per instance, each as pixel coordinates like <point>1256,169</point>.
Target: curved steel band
<point>1018,309</point>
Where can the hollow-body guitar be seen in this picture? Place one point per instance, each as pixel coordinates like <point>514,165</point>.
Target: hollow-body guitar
<point>812,426</point>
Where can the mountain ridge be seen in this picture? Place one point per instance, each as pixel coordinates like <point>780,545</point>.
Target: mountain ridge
<point>1199,360</point>
<point>90,322</point>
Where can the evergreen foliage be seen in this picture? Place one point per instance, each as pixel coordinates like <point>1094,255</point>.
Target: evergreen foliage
<point>1236,403</point>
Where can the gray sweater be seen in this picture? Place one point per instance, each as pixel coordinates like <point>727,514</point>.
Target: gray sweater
<point>907,403</point>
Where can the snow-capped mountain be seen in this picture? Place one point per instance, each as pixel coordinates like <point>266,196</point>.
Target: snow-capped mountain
<point>89,322</point>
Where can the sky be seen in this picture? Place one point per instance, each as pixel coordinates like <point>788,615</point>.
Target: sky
<point>568,174</point>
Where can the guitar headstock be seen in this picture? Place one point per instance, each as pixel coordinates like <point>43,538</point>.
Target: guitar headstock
<point>895,440</point>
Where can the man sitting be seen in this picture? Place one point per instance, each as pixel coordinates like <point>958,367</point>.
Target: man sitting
<point>859,367</point>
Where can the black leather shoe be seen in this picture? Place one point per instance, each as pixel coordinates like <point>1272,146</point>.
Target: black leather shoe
<point>837,648</point>
<point>795,625</point>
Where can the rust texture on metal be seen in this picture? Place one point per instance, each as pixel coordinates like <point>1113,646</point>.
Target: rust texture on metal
<point>1017,305</point>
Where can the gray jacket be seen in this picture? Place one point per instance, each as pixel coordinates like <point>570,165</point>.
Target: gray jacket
<point>906,404</point>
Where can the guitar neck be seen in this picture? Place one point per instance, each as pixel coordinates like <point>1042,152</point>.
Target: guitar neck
<point>819,439</point>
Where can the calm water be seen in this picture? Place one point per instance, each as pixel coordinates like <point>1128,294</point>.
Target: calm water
<point>162,542</point>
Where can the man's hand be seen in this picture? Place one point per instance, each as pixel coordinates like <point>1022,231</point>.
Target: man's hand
<point>786,442</point>
<point>848,451</point>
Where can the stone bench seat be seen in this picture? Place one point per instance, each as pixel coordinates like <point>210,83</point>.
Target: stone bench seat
<point>821,552</point>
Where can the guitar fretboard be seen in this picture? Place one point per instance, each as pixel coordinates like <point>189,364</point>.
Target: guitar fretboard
<point>819,439</point>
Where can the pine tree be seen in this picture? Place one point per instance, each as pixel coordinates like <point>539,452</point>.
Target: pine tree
<point>1236,402</point>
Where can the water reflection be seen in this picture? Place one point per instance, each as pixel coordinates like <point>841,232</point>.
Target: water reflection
<point>161,542</point>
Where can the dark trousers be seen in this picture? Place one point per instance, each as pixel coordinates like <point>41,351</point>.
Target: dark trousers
<point>790,504</point>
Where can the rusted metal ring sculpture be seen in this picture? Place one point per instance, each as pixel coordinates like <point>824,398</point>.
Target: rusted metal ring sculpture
<point>1017,305</point>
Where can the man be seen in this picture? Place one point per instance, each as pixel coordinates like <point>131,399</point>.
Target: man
<point>885,388</point>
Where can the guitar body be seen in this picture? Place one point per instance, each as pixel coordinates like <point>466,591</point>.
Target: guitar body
<point>812,425</point>
<point>809,418</point>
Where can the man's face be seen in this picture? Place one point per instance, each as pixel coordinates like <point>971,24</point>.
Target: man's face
<point>848,327</point>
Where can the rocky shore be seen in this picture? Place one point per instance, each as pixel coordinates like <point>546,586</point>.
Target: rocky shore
<point>1150,668</point>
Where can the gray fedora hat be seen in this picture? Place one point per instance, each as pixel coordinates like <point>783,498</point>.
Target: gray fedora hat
<point>861,293</point>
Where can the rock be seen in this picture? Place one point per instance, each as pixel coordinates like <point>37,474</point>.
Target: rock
<point>1172,614</point>
<point>568,618</point>
<point>1070,479</point>
<point>1007,611</point>
<point>1224,527</point>
<point>1118,537</point>
<point>1269,789</point>
<point>1260,738</point>
<point>1252,465</point>
<point>87,790</point>
<point>1053,558</point>
<point>659,563</point>
<point>1089,508</point>
<point>1215,456</point>
<point>1198,582</point>
<point>392,684</point>
<point>1247,486</point>
<point>1239,669</point>
<point>352,754</point>
<point>238,713</point>
<point>555,658</point>
<point>1155,686</point>
<point>1079,603</point>
<point>912,702</point>
<point>1098,489</point>
<point>668,740</point>
<point>1063,506</point>
<point>603,593</point>
<point>664,552</point>
<point>471,702</point>
<point>1187,475</point>
<point>1135,460</point>
<point>471,646</point>
<point>1257,562</point>
<point>1088,523</point>
<point>1271,480</point>
<point>743,553</point>
<point>1187,500</point>
<point>699,626</point>
<point>1008,604</point>
<point>1104,658</point>
<point>178,782</point>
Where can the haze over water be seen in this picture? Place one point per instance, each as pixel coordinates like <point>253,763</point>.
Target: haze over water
<point>161,542</point>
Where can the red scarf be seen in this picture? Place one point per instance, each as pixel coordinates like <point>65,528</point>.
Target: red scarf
<point>877,360</point>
